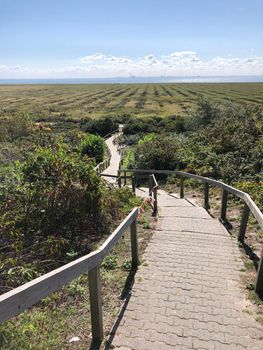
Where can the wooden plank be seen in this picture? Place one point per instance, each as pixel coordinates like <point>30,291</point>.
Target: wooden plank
<point>19,299</point>
<point>259,281</point>
<point>224,205</point>
<point>206,196</point>
<point>96,305</point>
<point>254,209</point>
<point>219,184</point>
<point>133,184</point>
<point>243,224</point>
<point>181,187</point>
<point>115,236</point>
<point>119,179</point>
<point>134,245</point>
<point>125,181</point>
<point>155,201</point>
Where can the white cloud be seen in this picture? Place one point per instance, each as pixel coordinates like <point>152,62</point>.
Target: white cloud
<point>182,63</point>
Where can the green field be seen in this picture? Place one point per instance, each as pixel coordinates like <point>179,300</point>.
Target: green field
<point>78,101</point>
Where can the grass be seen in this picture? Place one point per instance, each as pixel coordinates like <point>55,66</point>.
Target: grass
<point>94,100</point>
<point>53,322</point>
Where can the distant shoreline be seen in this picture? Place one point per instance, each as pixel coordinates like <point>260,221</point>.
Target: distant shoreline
<point>137,80</point>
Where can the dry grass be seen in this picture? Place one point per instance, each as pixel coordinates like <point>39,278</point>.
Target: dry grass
<point>65,314</point>
<point>94,100</point>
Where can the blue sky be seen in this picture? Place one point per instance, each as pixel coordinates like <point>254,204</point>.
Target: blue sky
<point>84,38</point>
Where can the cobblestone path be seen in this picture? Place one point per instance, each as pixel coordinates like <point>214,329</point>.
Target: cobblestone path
<point>186,293</point>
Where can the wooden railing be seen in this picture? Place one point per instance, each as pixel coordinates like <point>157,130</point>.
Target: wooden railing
<point>102,166</point>
<point>19,299</point>
<point>249,205</point>
<point>153,187</point>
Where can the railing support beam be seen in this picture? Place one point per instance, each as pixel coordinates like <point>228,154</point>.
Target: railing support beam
<point>181,187</point>
<point>206,196</point>
<point>119,179</point>
<point>134,246</point>
<point>259,281</point>
<point>224,205</point>
<point>96,305</point>
<point>133,184</point>
<point>243,223</point>
<point>155,204</point>
<point>125,180</point>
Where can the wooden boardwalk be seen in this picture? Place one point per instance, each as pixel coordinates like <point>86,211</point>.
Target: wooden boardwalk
<point>114,161</point>
<point>187,294</point>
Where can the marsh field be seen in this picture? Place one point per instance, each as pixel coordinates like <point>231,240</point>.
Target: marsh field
<point>95,100</point>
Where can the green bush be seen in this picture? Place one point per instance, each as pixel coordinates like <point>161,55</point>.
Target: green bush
<point>220,141</point>
<point>104,125</point>
<point>93,146</point>
<point>53,205</point>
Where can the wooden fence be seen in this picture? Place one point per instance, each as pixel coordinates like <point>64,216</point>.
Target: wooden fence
<point>249,205</point>
<point>19,299</point>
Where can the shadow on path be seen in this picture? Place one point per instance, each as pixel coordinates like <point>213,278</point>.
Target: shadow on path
<point>125,295</point>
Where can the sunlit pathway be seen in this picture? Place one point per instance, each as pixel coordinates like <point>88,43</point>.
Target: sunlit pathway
<point>186,293</point>
<point>115,160</point>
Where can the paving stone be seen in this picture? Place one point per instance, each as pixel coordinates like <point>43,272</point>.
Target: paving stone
<point>188,295</point>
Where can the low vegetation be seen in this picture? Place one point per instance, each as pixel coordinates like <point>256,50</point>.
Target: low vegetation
<point>220,141</point>
<point>75,103</point>
<point>53,206</point>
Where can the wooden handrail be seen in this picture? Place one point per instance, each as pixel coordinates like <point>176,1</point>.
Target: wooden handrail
<point>21,298</point>
<point>153,187</point>
<point>249,205</point>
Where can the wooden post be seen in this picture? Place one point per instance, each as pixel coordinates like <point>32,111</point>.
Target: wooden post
<point>155,204</point>
<point>206,196</point>
<point>150,184</point>
<point>224,205</point>
<point>119,179</point>
<point>181,187</point>
<point>134,245</point>
<point>243,223</point>
<point>259,282</point>
<point>125,180</point>
<point>96,305</point>
<point>133,184</point>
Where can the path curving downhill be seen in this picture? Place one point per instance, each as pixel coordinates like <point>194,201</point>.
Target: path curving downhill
<point>187,291</point>
<point>114,161</point>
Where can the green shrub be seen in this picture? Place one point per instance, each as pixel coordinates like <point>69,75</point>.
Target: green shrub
<point>52,206</point>
<point>110,263</point>
<point>93,146</point>
<point>102,126</point>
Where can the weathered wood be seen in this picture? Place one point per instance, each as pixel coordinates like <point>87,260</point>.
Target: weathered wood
<point>133,184</point>
<point>243,223</point>
<point>259,281</point>
<point>206,196</point>
<point>155,203</point>
<point>181,187</point>
<point>106,247</point>
<point>240,194</point>
<point>224,205</point>
<point>19,299</point>
<point>219,184</point>
<point>150,185</point>
<point>125,181</point>
<point>254,210</point>
<point>96,305</point>
<point>134,245</point>
<point>119,179</point>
